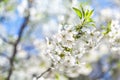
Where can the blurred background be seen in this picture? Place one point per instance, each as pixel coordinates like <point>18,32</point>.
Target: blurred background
<point>44,18</point>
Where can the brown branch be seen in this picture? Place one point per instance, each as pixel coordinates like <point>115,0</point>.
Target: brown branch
<point>49,69</point>
<point>23,26</point>
<point>15,45</point>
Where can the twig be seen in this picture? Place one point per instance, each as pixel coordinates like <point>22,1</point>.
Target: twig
<point>49,69</point>
<point>4,55</point>
<point>6,41</point>
<point>23,26</point>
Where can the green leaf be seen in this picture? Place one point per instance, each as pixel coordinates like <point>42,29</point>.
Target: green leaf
<point>90,13</point>
<point>83,12</point>
<point>90,20</point>
<point>92,25</point>
<point>57,76</point>
<point>103,27</point>
<point>78,12</point>
<point>108,29</point>
<point>86,13</point>
<point>5,1</point>
<point>10,8</point>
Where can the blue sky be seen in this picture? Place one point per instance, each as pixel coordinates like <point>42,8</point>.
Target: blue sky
<point>12,26</point>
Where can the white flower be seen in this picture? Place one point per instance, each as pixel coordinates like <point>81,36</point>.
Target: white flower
<point>115,31</point>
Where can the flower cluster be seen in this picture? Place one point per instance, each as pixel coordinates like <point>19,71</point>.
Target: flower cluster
<point>67,47</point>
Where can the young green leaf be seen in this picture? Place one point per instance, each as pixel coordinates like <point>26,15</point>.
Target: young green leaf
<point>90,24</point>
<point>5,1</point>
<point>83,12</point>
<point>90,13</point>
<point>90,20</point>
<point>57,76</point>
<point>108,28</point>
<point>93,25</point>
<point>86,13</point>
<point>103,27</point>
<point>78,12</point>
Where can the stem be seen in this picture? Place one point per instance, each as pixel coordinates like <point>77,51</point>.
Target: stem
<point>49,69</point>
<point>6,41</point>
<point>23,26</point>
<point>15,45</point>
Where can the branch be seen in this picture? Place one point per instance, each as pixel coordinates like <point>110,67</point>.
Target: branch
<point>49,69</point>
<point>23,26</point>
